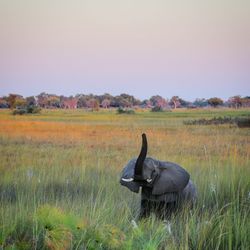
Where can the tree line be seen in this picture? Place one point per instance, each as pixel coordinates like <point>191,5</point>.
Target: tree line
<point>94,102</point>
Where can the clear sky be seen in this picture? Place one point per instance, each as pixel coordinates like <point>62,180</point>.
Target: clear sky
<point>140,47</point>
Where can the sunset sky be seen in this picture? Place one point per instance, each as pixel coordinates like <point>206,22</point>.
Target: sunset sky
<point>140,47</point>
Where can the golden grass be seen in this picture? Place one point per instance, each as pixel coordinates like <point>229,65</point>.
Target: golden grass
<point>184,142</point>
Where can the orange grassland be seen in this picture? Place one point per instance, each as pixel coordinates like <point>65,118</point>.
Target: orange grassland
<point>168,137</point>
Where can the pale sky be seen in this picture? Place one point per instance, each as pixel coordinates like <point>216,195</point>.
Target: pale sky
<point>140,47</point>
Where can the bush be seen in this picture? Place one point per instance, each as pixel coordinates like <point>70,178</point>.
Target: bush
<point>30,109</point>
<point>125,111</point>
<point>19,111</point>
<point>160,109</point>
<point>243,122</point>
<point>239,121</point>
<point>157,109</point>
<point>33,109</point>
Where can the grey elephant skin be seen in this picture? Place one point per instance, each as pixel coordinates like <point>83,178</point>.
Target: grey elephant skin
<point>165,186</point>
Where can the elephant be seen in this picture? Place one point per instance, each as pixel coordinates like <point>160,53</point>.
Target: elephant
<point>165,186</point>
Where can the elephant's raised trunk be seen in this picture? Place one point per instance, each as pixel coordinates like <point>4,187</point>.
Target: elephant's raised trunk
<point>140,159</point>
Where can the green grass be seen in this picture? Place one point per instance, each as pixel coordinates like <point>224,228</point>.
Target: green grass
<point>62,191</point>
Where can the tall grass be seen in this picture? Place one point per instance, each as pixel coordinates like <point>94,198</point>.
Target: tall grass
<point>59,182</point>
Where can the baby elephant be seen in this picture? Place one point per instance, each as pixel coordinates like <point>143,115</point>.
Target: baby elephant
<point>166,187</point>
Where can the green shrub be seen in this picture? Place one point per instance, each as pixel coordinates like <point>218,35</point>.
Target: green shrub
<point>157,109</point>
<point>30,109</point>
<point>125,111</point>
<point>243,122</point>
<point>19,111</point>
<point>239,121</point>
<point>33,109</point>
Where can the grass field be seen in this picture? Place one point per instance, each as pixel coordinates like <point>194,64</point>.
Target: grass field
<point>59,182</point>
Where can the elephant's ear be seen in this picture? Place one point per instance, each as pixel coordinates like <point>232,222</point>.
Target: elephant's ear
<point>171,178</point>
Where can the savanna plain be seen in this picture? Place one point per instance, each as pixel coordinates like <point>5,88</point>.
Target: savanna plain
<point>60,169</point>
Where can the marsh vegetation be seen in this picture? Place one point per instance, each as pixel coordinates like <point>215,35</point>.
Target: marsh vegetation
<point>59,182</point>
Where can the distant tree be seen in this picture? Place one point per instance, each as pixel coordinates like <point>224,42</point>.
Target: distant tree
<point>69,102</point>
<point>45,100</point>
<point>136,102</point>
<point>121,101</point>
<point>235,101</point>
<point>53,101</point>
<point>158,101</point>
<point>246,101</point>
<point>62,98</point>
<point>184,103</point>
<point>4,102</point>
<point>146,104</point>
<point>93,104</point>
<point>82,101</point>
<point>42,100</point>
<point>200,102</point>
<point>20,103</point>
<point>175,102</point>
<point>31,100</point>
<point>105,103</point>
<point>15,101</point>
<point>125,100</point>
<point>215,101</point>
<point>106,97</point>
<point>12,98</point>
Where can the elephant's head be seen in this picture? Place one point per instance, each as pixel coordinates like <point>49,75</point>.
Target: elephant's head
<point>161,177</point>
